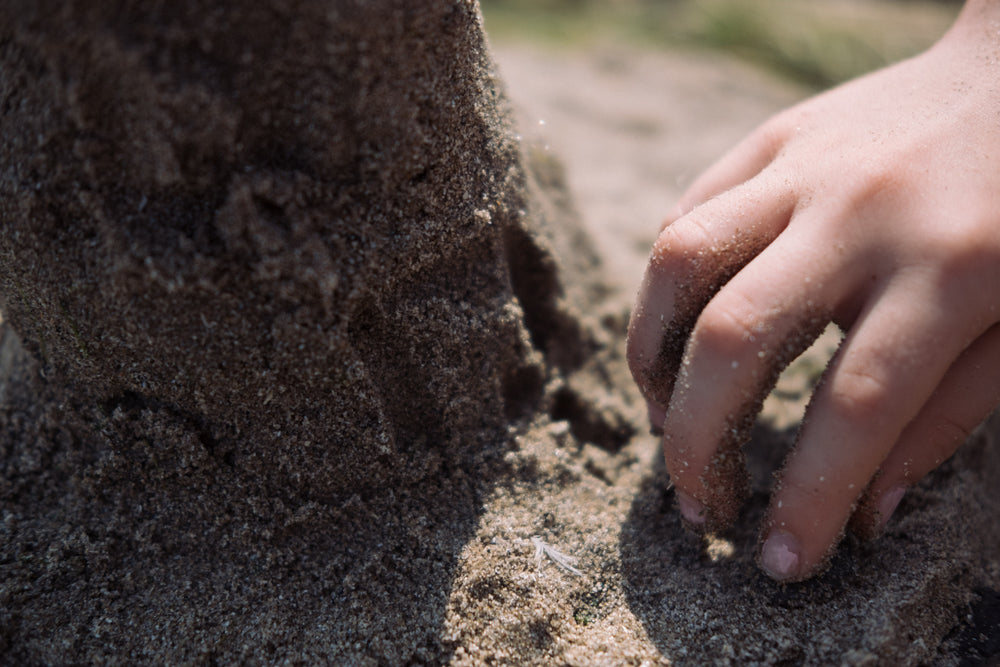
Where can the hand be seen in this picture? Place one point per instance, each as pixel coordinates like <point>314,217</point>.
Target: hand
<point>876,206</point>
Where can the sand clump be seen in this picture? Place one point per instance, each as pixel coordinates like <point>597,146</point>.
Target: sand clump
<point>304,352</point>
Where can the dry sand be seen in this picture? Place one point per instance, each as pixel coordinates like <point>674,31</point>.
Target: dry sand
<point>557,544</point>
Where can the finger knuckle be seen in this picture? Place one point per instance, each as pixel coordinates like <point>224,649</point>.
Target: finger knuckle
<point>859,395</point>
<point>680,241</point>
<point>879,179</point>
<point>774,133</point>
<point>949,432</point>
<point>960,253</point>
<point>728,328</point>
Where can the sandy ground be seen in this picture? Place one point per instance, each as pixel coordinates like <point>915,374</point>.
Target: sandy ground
<point>560,546</point>
<point>633,129</point>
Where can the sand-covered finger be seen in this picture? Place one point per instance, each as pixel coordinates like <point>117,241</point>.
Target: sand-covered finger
<point>887,368</point>
<point>968,393</point>
<point>766,315</point>
<point>691,260</point>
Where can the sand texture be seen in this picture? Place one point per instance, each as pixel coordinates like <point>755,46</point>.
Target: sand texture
<point>309,355</point>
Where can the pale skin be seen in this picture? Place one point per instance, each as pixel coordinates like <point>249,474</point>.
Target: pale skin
<point>876,206</point>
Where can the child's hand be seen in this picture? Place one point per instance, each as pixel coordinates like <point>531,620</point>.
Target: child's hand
<point>877,206</point>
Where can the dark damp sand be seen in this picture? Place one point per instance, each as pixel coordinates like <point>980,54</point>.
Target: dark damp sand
<point>135,530</point>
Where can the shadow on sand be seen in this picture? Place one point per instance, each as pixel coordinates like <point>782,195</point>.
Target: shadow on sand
<point>704,600</point>
<point>105,558</point>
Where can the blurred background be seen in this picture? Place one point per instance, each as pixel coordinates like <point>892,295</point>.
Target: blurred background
<point>816,43</point>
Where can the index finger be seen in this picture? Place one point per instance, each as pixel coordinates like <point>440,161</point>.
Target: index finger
<point>691,260</point>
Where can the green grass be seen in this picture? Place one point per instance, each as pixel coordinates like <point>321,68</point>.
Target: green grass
<point>815,42</point>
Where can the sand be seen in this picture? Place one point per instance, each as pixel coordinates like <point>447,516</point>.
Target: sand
<point>256,408</point>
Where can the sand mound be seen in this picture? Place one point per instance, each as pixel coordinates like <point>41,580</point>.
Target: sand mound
<point>274,267</point>
<point>298,231</point>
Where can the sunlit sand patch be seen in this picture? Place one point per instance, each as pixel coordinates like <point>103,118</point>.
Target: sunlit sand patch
<point>718,548</point>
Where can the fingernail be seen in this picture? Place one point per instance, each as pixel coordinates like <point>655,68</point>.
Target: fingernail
<point>692,511</point>
<point>780,555</point>
<point>888,502</point>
